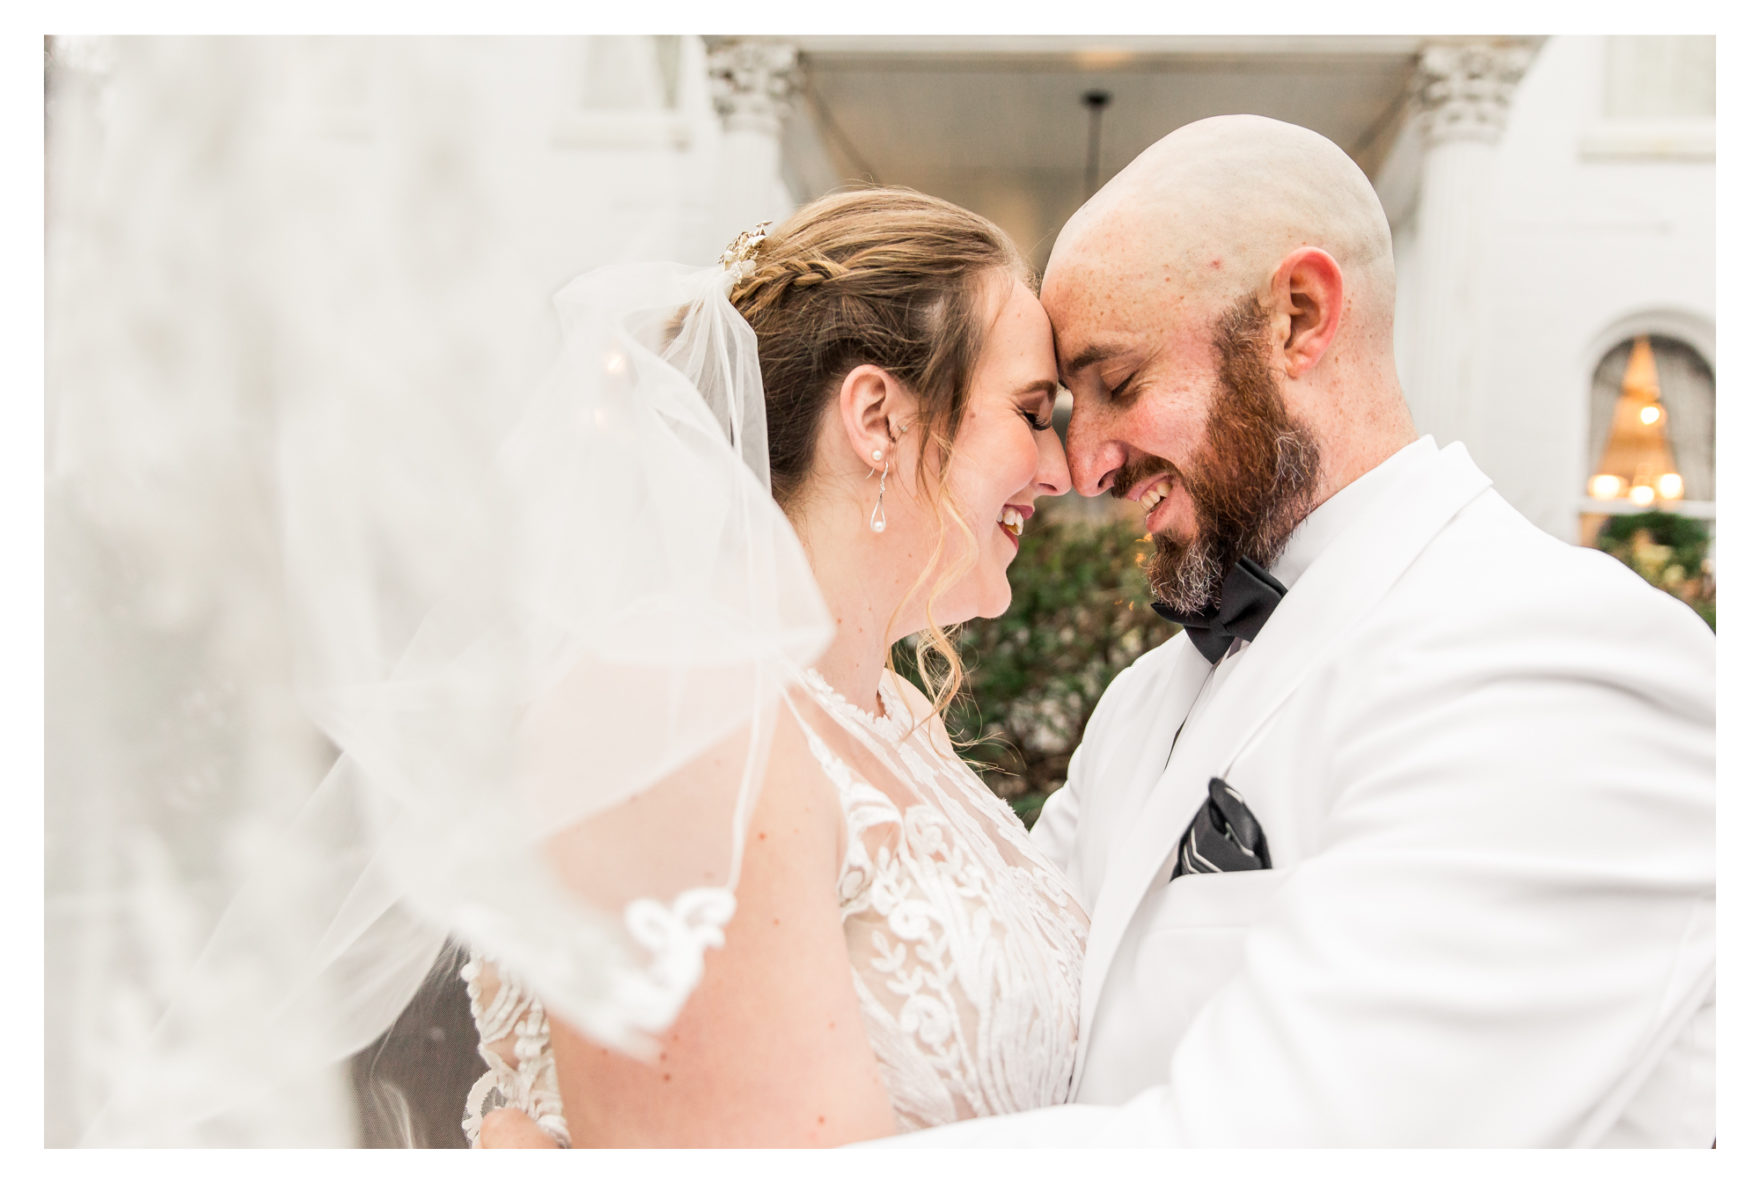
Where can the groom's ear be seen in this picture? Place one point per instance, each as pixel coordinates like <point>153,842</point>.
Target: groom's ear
<point>869,403</point>
<point>1307,304</point>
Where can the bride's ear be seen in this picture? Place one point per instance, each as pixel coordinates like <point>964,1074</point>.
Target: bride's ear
<point>872,407</point>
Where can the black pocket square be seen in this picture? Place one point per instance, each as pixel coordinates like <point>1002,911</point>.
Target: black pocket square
<point>1224,836</point>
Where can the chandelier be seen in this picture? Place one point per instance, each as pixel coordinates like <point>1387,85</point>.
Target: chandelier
<point>1638,464</point>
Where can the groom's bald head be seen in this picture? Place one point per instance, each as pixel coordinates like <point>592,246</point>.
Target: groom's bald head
<point>1209,211</point>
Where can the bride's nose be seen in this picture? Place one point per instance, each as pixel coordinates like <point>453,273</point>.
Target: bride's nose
<point>1052,477</point>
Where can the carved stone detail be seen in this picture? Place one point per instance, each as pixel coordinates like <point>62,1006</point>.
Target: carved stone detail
<point>754,83</point>
<point>1463,91</point>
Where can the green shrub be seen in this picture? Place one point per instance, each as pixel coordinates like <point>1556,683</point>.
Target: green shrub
<point>1667,550</point>
<point>1080,615</point>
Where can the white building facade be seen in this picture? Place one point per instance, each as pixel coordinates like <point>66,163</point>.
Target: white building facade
<point>1579,216</point>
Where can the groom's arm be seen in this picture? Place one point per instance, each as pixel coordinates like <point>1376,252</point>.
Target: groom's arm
<point>1054,833</point>
<point>1510,920</point>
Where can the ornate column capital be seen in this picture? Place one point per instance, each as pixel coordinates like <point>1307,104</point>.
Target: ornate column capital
<point>1462,91</point>
<point>753,83</point>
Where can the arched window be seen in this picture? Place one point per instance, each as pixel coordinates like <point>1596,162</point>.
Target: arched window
<point>1652,426</point>
<point>1652,453</point>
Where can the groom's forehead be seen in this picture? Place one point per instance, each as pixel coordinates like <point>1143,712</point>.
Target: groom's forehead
<point>1084,291</point>
<point>1098,308</point>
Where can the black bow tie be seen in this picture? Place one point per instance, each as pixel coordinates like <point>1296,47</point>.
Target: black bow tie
<point>1249,594</point>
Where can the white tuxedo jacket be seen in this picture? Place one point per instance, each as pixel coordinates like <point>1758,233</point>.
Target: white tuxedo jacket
<point>1484,764</point>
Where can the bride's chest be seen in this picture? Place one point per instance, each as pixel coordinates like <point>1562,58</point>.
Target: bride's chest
<point>965,946</point>
<point>951,876</point>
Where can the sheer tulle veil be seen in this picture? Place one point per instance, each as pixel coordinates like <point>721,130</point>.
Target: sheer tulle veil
<point>540,637</point>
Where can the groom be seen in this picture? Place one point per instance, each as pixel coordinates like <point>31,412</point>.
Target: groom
<point>1412,842</point>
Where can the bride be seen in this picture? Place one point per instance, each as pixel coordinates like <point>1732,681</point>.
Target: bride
<point>363,642</point>
<point>900,955</point>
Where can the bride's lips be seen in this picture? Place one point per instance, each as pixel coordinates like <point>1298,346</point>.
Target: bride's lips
<point>1024,511</point>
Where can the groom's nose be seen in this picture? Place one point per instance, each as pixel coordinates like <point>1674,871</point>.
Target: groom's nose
<point>1094,457</point>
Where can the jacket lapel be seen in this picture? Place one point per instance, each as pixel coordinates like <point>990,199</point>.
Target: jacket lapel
<point>1342,585</point>
<point>1134,766</point>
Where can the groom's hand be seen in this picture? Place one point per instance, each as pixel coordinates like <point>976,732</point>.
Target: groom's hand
<point>508,1128</point>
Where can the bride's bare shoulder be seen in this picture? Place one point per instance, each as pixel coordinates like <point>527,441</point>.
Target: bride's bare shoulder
<point>776,1000</point>
<point>797,786</point>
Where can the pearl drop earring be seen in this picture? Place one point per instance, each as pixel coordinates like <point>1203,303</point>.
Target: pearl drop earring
<point>877,520</point>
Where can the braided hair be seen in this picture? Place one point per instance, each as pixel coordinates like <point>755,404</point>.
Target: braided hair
<point>882,276</point>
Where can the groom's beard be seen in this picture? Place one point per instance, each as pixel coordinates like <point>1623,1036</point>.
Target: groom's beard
<point>1253,482</point>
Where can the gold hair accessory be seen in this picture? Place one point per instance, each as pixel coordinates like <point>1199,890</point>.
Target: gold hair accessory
<point>740,254</point>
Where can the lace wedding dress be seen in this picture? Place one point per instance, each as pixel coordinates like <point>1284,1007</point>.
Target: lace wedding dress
<point>965,944</point>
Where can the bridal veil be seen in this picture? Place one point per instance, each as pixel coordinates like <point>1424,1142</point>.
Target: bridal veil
<point>303,509</point>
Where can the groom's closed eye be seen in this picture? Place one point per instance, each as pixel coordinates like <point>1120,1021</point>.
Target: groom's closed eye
<point>1122,389</point>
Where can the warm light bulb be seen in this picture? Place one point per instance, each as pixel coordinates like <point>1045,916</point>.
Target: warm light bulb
<point>1606,486</point>
<point>1643,495</point>
<point>1669,486</point>
<point>1650,414</point>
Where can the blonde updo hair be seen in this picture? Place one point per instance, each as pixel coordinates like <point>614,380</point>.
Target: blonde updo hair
<point>897,279</point>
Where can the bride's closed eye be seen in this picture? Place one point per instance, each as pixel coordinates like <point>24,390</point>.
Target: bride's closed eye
<point>1038,423</point>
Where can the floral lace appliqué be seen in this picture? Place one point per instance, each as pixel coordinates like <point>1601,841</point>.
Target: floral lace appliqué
<point>965,943</point>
